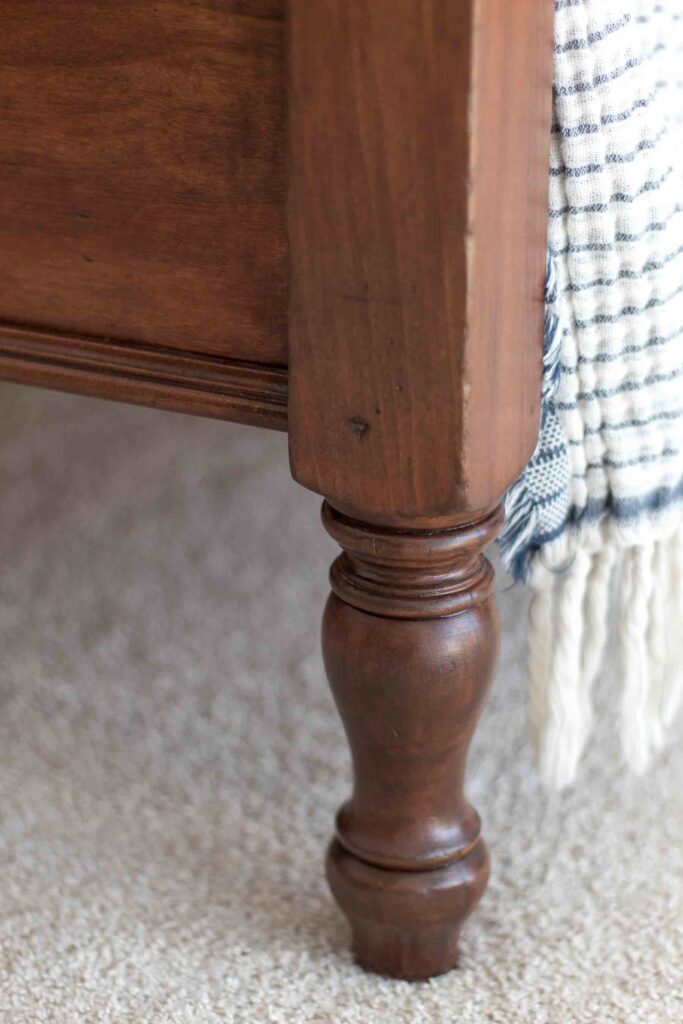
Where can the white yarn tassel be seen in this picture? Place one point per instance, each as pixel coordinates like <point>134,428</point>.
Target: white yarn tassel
<point>541,633</point>
<point>568,629</point>
<point>568,706</point>
<point>639,727</point>
<point>597,613</point>
<point>665,636</point>
<point>659,637</point>
<point>670,690</point>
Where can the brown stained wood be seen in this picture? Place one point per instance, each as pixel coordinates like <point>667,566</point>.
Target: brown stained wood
<point>410,638</point>
<point>143,257</point>
<point>142,178</point>
<point>183,382</point>
<point>511,95</point>
<point>418,152</point>
<point>418,140</point>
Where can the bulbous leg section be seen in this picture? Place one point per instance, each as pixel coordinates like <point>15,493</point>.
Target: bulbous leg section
<point>406,924</point>
<point>410,639</point>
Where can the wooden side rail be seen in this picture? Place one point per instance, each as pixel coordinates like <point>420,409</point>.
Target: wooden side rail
<point>189,382</point>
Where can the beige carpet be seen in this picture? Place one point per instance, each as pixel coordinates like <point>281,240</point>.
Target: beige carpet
<point>170,762</point>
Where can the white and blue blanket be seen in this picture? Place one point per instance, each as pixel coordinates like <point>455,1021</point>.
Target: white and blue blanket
<point>597,512</point>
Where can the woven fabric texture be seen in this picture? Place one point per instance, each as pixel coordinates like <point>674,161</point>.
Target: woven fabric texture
<point>608,470</point>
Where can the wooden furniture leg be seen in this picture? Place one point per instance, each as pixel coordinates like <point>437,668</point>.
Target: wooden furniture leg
<point>406,367</point>
<point>417,203</point>
<point>410,638</point>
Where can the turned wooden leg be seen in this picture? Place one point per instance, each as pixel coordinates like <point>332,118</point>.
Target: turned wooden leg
<point>410,638</point>
<point>417,207</point>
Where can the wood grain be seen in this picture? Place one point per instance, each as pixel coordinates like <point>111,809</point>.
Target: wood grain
<point>417,206</point>
<point>223,389</point>
<point>143,256</point>
<point>418,136</point>
<point>142,178</point>
<point>410,639</point>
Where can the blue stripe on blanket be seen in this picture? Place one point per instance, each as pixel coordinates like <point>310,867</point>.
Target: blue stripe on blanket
<point>615,222</point>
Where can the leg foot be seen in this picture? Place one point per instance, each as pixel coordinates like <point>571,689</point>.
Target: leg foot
<point>406,924</point>
<point>410,641</point>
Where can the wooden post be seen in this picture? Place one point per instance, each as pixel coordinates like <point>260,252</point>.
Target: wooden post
<point>419,133</point>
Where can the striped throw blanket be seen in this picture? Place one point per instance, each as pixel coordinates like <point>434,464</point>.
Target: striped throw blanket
<point>596,516</point>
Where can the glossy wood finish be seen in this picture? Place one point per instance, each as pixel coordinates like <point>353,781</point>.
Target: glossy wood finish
<point>410,638</point>
<point>143,256</point>
<point>417,216</point>
<point>146,375</point>
<point>142,174</point>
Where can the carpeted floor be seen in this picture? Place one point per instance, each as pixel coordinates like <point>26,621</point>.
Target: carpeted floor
<point>170,762</point>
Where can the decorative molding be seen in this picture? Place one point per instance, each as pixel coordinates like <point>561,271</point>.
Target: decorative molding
<point>203,385</point>
<point>420,574</point>
<point>410,639</point>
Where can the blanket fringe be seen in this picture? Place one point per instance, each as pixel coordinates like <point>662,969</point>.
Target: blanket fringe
<point>568,629</point>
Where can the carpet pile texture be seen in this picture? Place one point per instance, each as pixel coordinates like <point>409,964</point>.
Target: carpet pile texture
<point>170,763</point>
